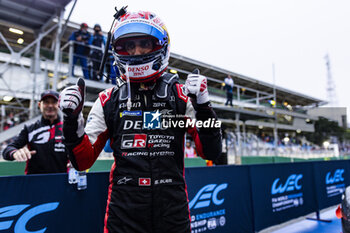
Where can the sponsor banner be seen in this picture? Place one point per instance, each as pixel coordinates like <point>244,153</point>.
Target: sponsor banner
<point>331,179</point>
<point>163,120</point>
<point>219,199</point>
<point>130,113</point>
<point>47,203</point>
<point>281,192</point>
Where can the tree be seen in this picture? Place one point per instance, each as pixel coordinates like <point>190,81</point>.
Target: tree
<point>325,130</point>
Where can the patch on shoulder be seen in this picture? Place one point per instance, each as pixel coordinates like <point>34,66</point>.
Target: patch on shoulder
<point>181,92</point>
<point>105,95</point>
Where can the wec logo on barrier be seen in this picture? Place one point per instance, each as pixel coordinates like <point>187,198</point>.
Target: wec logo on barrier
<point>291,184</point>
<point>207,193</point>
<point>337,177</point>
<point>20,226</point>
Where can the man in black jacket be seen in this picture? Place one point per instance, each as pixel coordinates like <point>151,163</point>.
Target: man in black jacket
<point>40,144</point>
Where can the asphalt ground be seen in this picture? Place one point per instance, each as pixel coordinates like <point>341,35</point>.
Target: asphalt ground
<point>312,226</point>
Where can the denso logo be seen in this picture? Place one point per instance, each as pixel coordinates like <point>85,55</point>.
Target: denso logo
<point>128,124</point>
<point>20,226</point>
<point>337,177</point>
<point>138,69</point>
<point>206,194</point>
<point>291,184</point>
<point>134,141</point>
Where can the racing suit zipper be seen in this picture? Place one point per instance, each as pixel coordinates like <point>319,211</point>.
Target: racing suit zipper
<point>145,99</point>
<point>148,108</point>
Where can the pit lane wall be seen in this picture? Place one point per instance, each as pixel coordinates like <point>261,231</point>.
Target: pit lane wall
<point>244,198</point>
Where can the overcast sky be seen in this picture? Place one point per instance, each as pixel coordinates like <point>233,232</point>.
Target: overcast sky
<point>248,36</point>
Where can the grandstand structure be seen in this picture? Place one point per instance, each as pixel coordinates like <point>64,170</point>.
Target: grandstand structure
<point>42,59</point>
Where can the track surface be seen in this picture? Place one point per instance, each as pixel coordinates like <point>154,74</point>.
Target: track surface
<point>311,226</point>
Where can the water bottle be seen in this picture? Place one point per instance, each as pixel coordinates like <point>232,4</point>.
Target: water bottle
<point>72,175</point>
<point>82,180</point>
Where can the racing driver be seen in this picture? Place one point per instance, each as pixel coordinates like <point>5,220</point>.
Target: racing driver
<point>147,191</point>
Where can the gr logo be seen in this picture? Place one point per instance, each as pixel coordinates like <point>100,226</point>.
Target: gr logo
<point>206,194</point>
<point>9,212</point>
<point>134,141</point>
<point>291,184</point>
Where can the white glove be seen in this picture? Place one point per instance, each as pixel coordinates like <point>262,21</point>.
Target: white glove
<point>70,100</point>
<point>71,103</point>
<point>196,85</point>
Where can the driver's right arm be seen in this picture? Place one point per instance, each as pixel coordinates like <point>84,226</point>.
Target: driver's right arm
<point>84,146</point>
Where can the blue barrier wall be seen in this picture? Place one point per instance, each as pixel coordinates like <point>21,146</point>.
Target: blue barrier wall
<point>331,178</point>
<point>35,202</point>
<point>281,192</point>
<point>221,199</point>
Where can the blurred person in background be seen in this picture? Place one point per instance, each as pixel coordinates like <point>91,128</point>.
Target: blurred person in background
<point>111,69</point>
<point>40,144</point>
<point>2,147</point>
<point>190,152</point>
<point>81,51</point>
<point>229,89</point>
<point>97,40</point>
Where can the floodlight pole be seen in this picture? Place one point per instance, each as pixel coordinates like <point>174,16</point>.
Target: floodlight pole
<point>3,115</point>
<point>275,113</point>
<point>238,137</point>
<point>57,50</point>
<point>67,20</point>
<point>36,71</point>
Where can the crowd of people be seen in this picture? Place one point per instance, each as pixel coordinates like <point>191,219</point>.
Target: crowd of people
<point>88,51</point>
<point>287,145</point>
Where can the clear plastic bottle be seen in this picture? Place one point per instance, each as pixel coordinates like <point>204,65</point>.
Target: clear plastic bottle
<point>72,174</point>
<point>82,180</point>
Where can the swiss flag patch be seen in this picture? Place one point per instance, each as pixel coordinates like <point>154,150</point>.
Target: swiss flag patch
<point>144,181</point>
